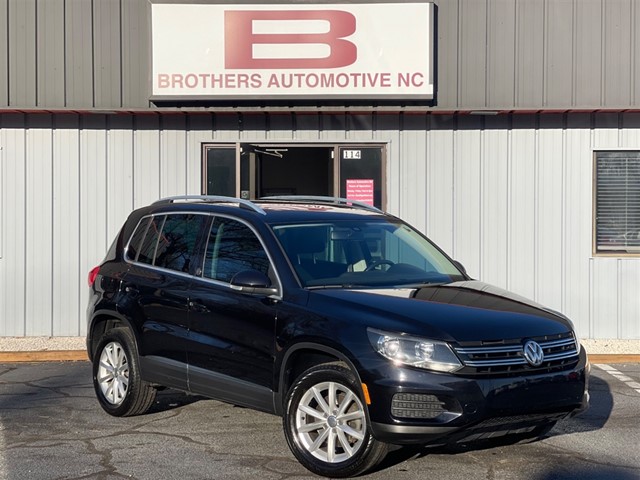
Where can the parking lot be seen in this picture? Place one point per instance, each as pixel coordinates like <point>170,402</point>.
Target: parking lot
<point>51,427</point>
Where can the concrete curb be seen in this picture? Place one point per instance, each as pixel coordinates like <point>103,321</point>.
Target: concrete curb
<point>46,356</point>
<point>81,355</point>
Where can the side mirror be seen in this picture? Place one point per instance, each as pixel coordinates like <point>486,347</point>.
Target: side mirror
<point>253,282</point>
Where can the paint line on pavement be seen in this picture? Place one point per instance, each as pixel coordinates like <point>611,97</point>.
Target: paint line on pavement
<point>628,381</point>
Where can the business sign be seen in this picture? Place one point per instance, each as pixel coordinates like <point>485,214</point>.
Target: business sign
<point>360,190</point>
<point>290,51</point>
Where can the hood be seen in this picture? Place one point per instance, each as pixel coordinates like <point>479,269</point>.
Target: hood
<point>467,311</point>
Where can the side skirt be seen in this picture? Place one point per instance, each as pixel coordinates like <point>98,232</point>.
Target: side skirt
<point>231,390</point>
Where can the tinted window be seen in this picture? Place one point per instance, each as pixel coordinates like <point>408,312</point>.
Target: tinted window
<point>148,246</point>
<point>363,253</point>
<point>177,243</point>
<point>232,248</point>
<point>136,239</point>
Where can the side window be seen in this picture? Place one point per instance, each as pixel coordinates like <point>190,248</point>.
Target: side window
<point>177,243</point>
<point>150,242</point>
<point>136,238</point>
<point>232,247</point>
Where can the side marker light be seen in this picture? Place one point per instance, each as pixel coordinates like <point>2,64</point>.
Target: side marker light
<point>365,392</point>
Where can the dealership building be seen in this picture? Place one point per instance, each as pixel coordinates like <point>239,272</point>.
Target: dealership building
<point>507,131</point>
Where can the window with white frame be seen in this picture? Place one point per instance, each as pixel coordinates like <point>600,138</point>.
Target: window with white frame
<point>617,202</point>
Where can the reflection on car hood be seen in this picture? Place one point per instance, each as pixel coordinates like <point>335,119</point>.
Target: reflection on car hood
<point>459,311</point>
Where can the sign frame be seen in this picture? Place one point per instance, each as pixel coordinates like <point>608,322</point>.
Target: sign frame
<point>197,71</point>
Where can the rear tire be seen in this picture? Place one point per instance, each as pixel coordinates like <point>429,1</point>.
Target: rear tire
<point>326,424</point>
<point>120,390</point>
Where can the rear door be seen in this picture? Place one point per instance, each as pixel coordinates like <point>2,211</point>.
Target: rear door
<point>157,289</point>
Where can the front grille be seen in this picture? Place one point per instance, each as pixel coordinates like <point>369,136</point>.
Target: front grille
<point>507,425</point>
<point>507,357</point>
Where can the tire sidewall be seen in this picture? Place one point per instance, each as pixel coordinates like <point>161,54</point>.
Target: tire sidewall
<point>314,376</point>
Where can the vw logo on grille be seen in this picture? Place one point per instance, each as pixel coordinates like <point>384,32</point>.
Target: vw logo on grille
<point>533,353</point>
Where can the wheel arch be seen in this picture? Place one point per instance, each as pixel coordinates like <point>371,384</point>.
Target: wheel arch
<point>301,357</point>
<point>102,322</point>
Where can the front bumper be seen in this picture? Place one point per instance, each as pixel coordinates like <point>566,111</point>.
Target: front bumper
<point>474,407</point>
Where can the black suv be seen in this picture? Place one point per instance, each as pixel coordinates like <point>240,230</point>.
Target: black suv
<point>340,318</point>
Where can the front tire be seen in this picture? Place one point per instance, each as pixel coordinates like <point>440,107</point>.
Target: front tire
<point>116,376</point>
<point>326,424</point>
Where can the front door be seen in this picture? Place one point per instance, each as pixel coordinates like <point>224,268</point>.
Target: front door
<point>231,335</point>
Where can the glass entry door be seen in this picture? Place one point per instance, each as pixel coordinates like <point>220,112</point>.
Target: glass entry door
<point>219,170</point>
<point>256,170</point>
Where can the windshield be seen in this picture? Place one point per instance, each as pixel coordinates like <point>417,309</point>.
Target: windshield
<point>361,253</point>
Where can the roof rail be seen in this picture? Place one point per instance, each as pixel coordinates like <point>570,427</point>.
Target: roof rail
<point>249,205</point>
<point>321,199</point>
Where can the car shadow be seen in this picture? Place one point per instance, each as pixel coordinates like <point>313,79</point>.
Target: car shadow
<point>168,399</point>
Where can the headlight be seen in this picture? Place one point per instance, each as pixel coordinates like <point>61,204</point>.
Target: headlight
<point>414,351</point>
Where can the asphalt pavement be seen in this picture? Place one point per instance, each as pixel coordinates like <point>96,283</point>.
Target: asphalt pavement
<point>51,427</point>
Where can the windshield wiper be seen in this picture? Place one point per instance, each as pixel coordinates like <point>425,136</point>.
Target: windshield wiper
<point>343,285</point>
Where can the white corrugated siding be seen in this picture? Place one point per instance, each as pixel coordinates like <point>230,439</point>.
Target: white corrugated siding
<point>508,196</point>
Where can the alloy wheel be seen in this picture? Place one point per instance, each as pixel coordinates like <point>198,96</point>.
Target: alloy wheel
<point>330,422</point>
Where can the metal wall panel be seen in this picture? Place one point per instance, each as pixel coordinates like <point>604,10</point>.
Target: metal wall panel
<point>146,170</point>
<point>472,53</point>
<point>501,44</point>
<point>119,144</point>
<point>78,54</point>
<point>635,48</point>
<point>588,53</point>
<point>21,25</point>
<point>413,175</point>
<point>467,192</point>
<point>439,181</point>
<point>173,156</point>
<point>4,57</point>
<point>550,210</point>
<point>494,209</point>
<point>136,48</point>
<point>67,312</point>
<point>628,299</point>
<point>618,62</point>
<point>39,237</point>
<point>93,208</point>
<point>226,126</point>
<point>50,52</point>
<point>558,51</point>
<point>521,247</point>
<point>280,126</point>
<point>307,127</point>
<point>530,41</point>
<point>107,53</point>
<point>199,131</point>
<point>509,196</point>
<point>495,54</point>
<point>12,265</point>
<point>578,207</point>
<point>446,54</point>
<point>388,130</point>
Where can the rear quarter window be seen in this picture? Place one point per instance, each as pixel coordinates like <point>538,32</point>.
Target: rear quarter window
<point>137,237</point>
<point>148,247</point>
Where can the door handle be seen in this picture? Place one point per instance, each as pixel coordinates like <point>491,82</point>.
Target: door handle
<point>131,290</point>
<point>197,307</point>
